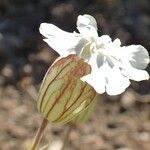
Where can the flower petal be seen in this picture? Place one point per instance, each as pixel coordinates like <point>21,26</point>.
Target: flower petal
<point>86,20</point>
<point>100,60</point>
<point>113,83</point>
<point>97,77</point>
<point>96,80</point>
<point>64,43</point>
<point>87,25</point>
<point>106,78</point>
<point>136,74</point>
<point>137,55</point>
<point>116,83</point>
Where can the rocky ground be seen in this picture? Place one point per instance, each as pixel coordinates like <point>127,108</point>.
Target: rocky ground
<point>119,123</point>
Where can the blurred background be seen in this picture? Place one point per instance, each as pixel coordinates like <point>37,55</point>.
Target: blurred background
<point>119,122</point>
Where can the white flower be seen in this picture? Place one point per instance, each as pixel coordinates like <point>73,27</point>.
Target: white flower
<point>112,65</point>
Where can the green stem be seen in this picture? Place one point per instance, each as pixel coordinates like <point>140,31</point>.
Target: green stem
<point>66,139</point>
<point>39,135</point>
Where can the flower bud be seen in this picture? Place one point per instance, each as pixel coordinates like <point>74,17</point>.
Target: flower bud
<point>62,94</point>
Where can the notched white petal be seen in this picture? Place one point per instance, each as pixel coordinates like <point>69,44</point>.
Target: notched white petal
<point>63,42</point>
<point>87,26</point>
<point>137,75</point>
<point>97,77</point>
<point>137,55</point>
<point>116,83</point>
<point>96,80</point>
<point>50,30</point>
<point>86,20</point>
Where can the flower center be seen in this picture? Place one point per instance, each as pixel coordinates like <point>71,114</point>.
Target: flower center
<point>100,48</point>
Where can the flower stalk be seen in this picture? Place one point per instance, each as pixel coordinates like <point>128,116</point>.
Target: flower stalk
<point>39,135</point>
<point>66,138</point>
